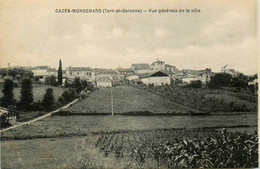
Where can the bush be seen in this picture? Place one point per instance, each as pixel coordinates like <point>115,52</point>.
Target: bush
<point>67,96</point>
<point>195,84</point>
<point>77,84</point>
<point>26,94</point>
<point>37,106</point>
<point>220,80</point>
<point>51,80</point>
<point>48,99</point>
<point>8,98</point>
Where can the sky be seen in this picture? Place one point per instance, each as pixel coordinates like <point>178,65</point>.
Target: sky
<point>222,33</point>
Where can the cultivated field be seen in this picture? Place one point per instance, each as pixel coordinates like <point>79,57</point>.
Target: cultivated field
<point>38,91</point>
<point>206,100</point>
<point>135,149</point>
<point>126,99</point>
<point>81,140</point>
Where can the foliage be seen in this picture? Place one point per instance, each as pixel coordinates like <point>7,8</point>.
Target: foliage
<point>51,80</point>
<point>18,73</point>
<point>3,72</point>
<point>26,98</point>
<point>12,111</point>
<point>220,80</point>
<point>67,84</point>
<point>8,98</point>
<point>67,96</point>
<point>239,81</point>
<point>77,84</point>
<point>195,84</point>
<point>48,99</point>
<point>86,85</point>
<point>60,73</point>
<point>183,149</point>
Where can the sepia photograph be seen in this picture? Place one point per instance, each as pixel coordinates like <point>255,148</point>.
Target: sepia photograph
<point>129,84</point>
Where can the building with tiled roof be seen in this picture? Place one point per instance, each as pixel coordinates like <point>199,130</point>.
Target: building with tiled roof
<point>84,73</point>
<point>141,68</point>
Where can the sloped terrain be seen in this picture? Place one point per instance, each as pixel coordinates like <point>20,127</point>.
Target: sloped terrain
<point>125,100</point>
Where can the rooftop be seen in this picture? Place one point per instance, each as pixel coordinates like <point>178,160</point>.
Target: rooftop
<point>79,68</point>
<point>141,66</point>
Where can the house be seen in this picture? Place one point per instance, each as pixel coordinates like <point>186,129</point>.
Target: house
<point>140,68</point>
<point>132,77</point>
<point>125,71</point>
<point>157,78</point>
<point>193,75</point>
<point>170,68</point>
<point>188,79</point>
<point>84,73</point>
<point>43,71</point>
<point>158,65</point>
<point>102,72</point>
<point>40,71</point>
<point>104,82</point>
<point>52,72</point>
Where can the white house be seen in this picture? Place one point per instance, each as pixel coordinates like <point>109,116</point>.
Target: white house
<point>84,73</point>
<point>158,65</point>
<point>141,68</point>
<point>40,71</point>
<point>132,77</point>
<point>157,78</point>
<point>104,82</point>
<point>52,72</point>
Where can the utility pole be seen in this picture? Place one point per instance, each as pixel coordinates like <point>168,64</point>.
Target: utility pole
<point>112,106</point>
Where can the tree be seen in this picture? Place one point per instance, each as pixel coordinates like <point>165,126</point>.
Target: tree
<point>3,72</point>
<point>84,84</point>
<point>220,80</point>
<point>8,98</point>
<point>51,80</point>
<point>13,72</point>
<point>48,99</point>
<point>77,84</point>
<point>195,84</point>
<point>60,73</point>
<point>26,93</point>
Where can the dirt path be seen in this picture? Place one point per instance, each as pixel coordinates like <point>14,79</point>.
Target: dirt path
<point>39,118</point>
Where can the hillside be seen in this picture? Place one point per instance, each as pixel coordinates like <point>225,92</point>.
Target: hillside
<point>126,99</point>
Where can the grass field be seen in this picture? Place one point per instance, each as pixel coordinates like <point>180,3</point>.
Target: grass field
<point>38,91</point>
<point>126,99</point>
<point>85,125</point>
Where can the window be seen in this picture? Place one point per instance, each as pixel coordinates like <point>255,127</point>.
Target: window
<point>70,73</point>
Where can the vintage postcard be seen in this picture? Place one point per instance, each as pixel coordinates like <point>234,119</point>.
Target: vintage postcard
<point>129,84</point>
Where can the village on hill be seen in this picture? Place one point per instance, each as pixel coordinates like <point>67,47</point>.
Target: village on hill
<point>157,73</point>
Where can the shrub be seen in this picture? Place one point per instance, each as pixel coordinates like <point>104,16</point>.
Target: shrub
<point>77,84</point>
<point>8,98</point>
<point>48,99</point>
<point>195,84</point>
<point>26,94</point>
<point>37,106</point>
<point>67,96</point>
<point>51,80</point>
